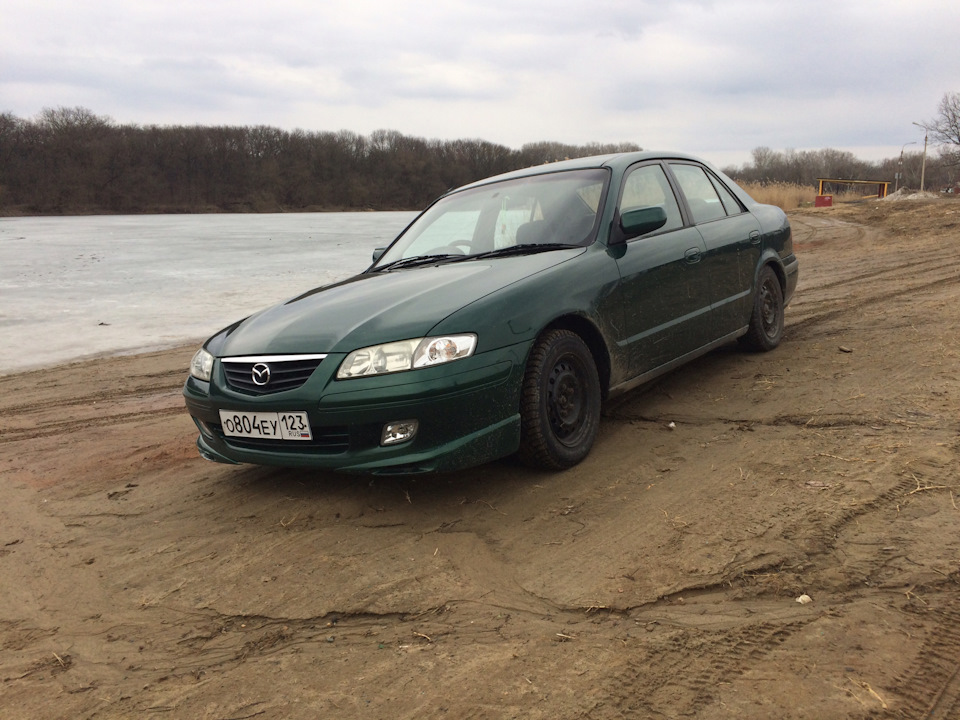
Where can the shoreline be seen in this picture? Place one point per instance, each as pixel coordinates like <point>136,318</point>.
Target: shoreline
<point>150,355</point>
<point>128,353</point>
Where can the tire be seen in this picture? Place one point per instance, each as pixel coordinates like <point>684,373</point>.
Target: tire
<point>766,320</point>
<point>560,402</point>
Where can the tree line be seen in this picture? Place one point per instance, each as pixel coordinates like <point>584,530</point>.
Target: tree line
<point>938,168</point>
<point>70,160</point>
<point>805,167</point>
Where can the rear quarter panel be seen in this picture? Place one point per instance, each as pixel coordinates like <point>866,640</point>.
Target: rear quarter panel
<point>777,245</point>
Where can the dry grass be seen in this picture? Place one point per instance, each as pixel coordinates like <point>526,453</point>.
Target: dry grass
<point>789,196</point>
<point>786,196</point>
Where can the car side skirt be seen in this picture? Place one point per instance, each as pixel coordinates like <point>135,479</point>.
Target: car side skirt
<point>646,377</point>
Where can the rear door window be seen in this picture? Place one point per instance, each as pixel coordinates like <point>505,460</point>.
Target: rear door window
<point>702,198</point>
<point>730,203</point>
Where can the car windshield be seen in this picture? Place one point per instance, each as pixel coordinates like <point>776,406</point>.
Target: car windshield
<point>536,213</point>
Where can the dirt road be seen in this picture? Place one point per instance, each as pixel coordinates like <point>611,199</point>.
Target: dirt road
<point>658,579</point>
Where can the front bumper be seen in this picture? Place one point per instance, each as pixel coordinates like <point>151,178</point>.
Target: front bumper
<point>468,413</point>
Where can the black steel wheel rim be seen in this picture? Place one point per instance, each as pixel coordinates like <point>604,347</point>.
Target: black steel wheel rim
<point>566,399</point>
<point>769,309</point>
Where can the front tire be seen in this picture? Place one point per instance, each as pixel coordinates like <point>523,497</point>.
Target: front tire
<point>766,320</point>
<point>560,402</point>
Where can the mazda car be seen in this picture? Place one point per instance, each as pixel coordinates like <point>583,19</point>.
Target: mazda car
<point>500,321</point>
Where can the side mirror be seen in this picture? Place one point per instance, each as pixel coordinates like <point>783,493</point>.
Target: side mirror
<point>378,253</point>
<point>634,223</point>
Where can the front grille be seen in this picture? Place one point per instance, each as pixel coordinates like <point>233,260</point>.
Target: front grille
<point>285,372</point>
<point>326,441</point>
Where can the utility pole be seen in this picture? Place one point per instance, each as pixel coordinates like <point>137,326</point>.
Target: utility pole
<point>896,185</point>
<point>923,166</point>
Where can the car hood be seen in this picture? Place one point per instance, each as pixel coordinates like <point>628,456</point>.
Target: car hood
<point>377,307</point>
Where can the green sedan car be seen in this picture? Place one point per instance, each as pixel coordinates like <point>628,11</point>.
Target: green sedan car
<point>500,320</point>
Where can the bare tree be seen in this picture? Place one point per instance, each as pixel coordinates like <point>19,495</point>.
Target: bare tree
<point>945,128</point>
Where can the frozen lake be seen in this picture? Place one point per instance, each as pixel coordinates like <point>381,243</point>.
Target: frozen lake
<point>74,287</point>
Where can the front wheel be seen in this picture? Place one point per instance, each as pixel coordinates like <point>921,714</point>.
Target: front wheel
<point>560,404</point>
<point>766,320</point>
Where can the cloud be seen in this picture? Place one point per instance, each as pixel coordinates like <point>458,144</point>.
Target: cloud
<point>708,75</point>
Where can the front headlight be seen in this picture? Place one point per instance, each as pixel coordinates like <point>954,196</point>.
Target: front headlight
<point>406,355</point>
<point>201,366</point>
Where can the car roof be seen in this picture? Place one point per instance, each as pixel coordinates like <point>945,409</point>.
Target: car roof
<point>615,161</point>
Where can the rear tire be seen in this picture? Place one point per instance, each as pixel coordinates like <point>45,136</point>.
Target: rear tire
<point>560,402</point>
<point>766,320</point>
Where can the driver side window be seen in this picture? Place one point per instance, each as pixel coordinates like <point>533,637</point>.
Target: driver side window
<point>647,186</point>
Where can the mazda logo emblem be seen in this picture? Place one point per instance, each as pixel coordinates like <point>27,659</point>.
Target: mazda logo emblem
<point>260,374</point>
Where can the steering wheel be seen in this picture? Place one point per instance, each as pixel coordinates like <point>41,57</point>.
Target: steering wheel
<point>461,247</point>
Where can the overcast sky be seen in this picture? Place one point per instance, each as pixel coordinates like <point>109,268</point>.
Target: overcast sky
<point>713,78</point>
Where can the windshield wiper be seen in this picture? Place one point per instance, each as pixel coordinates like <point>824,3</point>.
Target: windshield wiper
<point>524,249</point>
<point>414,261</point>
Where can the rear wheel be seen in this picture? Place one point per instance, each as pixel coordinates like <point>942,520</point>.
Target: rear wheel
<point>560,404</point>
<point>766,321</point>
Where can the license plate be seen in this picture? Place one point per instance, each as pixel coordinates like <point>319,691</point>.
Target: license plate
<point>292,425</point>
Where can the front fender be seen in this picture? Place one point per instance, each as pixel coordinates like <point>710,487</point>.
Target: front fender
<point>519,312</point>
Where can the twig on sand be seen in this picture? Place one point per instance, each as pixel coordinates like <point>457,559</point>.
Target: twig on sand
<point>928,487</point>
<point>866,686</point>
<point>909,592</point>
<point>849,460</point>
<point>495,509</point>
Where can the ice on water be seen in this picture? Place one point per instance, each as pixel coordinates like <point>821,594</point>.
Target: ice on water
<point>73,287</point>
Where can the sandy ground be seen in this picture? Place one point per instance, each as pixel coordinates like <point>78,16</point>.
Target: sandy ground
<point>658,579</point>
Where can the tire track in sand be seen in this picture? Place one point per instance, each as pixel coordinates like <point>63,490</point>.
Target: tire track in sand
<point>932,690</point>
<point>649,682</point>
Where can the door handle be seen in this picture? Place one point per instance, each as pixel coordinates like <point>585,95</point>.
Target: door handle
<point>692,255</point>
<point>754,238</point>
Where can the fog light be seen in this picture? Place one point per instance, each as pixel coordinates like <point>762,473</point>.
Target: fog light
<point>204,429</point>
<point>398,432</point>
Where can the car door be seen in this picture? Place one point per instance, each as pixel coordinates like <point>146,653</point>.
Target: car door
<point>663,296</point>
<point>732,239</point>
